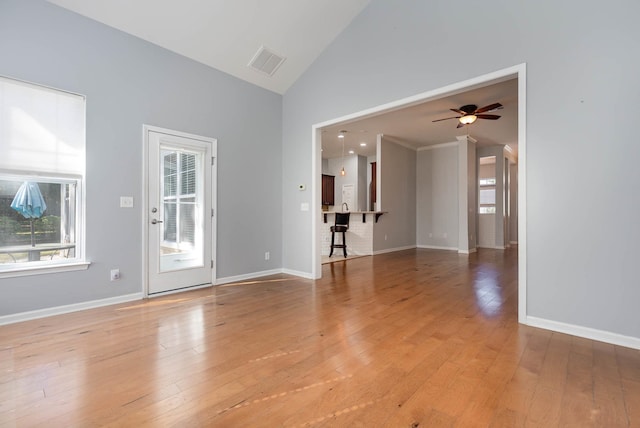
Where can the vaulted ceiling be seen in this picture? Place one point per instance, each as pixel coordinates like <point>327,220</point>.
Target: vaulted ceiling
<point>226,35</point>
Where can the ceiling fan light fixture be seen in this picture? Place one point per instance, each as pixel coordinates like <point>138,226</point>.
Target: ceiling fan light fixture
<point>468,119</point>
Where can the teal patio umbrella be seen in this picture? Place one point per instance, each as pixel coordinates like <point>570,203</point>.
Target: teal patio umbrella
<point>29,202</point>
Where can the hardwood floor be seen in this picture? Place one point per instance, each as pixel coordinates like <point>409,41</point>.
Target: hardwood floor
<point>417,338</point>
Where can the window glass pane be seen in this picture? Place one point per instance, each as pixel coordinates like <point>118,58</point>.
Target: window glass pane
<point>188,171</point>
<point>37,220</point>
<point>487,196</point>
<point>170,174</point>
<point>487,181</point>
<point>487,210</point>
<point>170,231</point>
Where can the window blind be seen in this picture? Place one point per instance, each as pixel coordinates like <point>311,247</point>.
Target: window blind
<point>42,130</point>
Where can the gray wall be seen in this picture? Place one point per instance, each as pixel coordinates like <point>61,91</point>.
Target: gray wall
<point>437,197</point>
<point>396,228</point>
<point>129,82</point>
<point>581,74</point>
<point>363,186</point>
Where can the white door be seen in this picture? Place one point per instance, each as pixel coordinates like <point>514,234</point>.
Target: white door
<point>180,209</point>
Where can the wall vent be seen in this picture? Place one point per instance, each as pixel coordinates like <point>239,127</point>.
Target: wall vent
<point>266,61</point>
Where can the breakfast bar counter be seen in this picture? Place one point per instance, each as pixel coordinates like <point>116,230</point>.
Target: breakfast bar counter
<point>359,236</point>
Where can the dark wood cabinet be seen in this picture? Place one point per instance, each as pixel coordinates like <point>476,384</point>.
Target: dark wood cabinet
<point>328,189</point>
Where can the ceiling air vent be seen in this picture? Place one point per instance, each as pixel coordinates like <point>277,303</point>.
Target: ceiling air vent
<point>266,61</point>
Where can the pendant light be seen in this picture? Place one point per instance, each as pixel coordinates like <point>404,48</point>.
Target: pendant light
<point>341,136</point>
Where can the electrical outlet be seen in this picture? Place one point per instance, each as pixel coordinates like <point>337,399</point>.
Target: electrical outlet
<point>115,274</point>
<point>267,255</point>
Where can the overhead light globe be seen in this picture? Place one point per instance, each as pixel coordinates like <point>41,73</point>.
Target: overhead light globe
<point>468,119</point>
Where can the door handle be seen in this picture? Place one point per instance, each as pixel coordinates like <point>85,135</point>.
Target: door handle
<point>154,221</point>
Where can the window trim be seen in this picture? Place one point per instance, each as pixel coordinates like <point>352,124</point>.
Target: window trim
<point>79,262</point>
<point>41,270</point>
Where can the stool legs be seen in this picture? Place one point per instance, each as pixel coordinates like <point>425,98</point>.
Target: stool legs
<point>333,238</point>
<point>334,245</point>
<point>344,245</point>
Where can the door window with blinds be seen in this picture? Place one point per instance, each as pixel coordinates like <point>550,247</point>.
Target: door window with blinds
<point>42,169</point>
<point>181,199</point>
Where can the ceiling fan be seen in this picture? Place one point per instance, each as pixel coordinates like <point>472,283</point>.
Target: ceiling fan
<point>470,112</point>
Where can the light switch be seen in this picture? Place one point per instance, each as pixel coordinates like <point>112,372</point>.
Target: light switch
<point>126,201</point>
<point>304,206</point>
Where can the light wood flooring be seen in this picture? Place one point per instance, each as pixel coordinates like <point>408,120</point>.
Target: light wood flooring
<point>417,338</point>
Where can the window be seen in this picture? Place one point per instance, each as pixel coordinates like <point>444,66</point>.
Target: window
<point>179,199</point>
<point>42,167</point>
<point>487,196</point>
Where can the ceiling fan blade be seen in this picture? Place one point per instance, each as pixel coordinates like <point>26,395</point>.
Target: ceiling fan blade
<point>460,125</point>
<point>446,118</point>
<point>488,116</point>
<point>490,107</point>
<point>458,111</point>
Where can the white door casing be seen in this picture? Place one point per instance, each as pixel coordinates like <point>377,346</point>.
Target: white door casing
<point>179,208</point>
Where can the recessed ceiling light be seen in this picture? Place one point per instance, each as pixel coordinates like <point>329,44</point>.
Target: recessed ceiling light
<point>363,144</point>
<point>351,152</point>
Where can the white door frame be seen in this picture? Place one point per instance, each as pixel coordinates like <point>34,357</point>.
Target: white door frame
<point>518,71</point>
<point>146,129</point>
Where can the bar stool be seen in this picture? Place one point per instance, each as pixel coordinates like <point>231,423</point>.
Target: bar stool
<point>341,225</point>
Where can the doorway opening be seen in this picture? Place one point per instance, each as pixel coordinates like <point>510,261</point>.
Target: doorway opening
<point>516,72</point>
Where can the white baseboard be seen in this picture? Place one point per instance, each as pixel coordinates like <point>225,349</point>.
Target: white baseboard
<point>469,251</point>
<point>59,310</point>
<point>305,275</point>
<point>246,276</point>
<point>393,250</point>
<point>435,247</point>
<point>585,332</point>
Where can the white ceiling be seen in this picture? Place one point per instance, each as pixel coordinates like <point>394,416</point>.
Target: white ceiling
<point>413,125</point>
<point>226,34</point>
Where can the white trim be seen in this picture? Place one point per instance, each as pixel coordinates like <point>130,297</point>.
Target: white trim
<point>145,196</point>
<point>244,277</point>
<point>393,250</point>
<point>60,310</point>
<point>438,146</point>
<point>521,71</point>
<point>316,193</point>
<point>41,270</point>
<point>466,138</point>
<point>179,290</point>
<point>585,332</point>
<point>435,247</point>
<point>516,71</point>
<point>254,275</point>
<point>469,251</point>
<point>300,274</point>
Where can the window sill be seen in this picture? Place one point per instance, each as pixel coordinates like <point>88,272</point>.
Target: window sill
<point>41,270</point>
